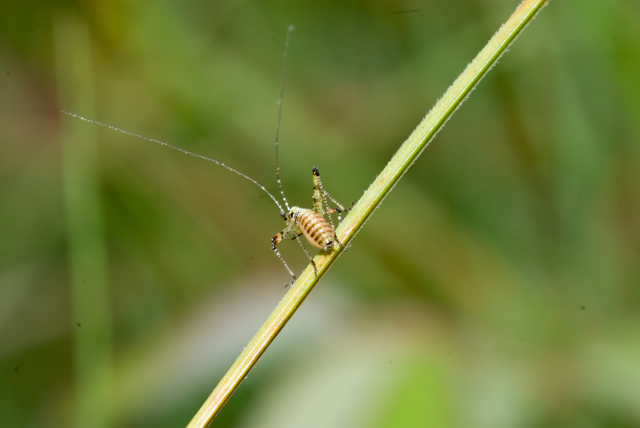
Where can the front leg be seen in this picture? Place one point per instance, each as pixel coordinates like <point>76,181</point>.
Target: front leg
<point>287,233</point>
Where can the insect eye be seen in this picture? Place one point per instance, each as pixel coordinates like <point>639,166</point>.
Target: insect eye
<point>283,214</point>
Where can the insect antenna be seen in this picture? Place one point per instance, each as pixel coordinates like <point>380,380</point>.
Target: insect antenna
<point>180,150</point>
<point>284,75</point>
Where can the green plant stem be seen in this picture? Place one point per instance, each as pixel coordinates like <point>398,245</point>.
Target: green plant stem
<point>399,164</point>
<point>87,255</point>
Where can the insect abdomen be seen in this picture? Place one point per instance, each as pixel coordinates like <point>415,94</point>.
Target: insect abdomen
<point>315,228</point>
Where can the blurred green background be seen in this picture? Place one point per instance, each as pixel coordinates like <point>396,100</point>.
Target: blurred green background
<point>497,286</point>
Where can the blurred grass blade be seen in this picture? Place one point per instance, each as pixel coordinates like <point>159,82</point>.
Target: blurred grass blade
<point>382,185</point>
<point>84,229</point>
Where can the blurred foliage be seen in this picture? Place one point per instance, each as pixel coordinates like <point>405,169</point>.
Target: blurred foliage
<point>497,286</point>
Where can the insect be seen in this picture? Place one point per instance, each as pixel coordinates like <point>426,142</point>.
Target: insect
<point>310,223</point>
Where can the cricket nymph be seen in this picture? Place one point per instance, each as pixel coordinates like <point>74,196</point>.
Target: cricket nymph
<point>311,223</point>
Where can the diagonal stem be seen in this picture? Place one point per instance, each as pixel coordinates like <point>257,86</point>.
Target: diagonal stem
<point>395,169</point>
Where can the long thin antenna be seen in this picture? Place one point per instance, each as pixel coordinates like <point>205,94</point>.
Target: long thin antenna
<point>284,75</point>
<point>180,150</point>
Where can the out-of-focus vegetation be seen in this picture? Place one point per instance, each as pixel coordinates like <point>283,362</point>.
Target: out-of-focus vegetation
<point>497,286</point>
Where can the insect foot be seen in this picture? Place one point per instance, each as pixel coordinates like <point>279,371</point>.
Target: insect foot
<point>288,286</point>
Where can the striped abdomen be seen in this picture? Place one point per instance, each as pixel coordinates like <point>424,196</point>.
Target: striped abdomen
<point>314,227</point>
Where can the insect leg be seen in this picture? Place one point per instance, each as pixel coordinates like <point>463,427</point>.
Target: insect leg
<point>287,233</point>
<point>339,210</point>
<point>331,198</point>
<point>320,203</point>
<point>336,210</point>
<point>317,196</point>
<point>315,269</point>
